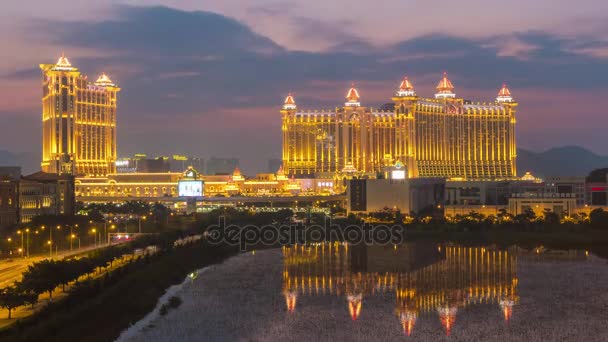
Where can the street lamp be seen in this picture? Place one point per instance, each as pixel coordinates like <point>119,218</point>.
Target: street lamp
<point>27,230</point>
<point>141,218</point>
<point>107,237</point>
<point>94,231</point>
<point>21,249</point>
<point>57,245</point>
<point>10,250</point>
<point>72,237</point>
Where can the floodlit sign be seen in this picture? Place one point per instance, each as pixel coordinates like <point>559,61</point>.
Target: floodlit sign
<point>190,188</point>
<point>398,174</point>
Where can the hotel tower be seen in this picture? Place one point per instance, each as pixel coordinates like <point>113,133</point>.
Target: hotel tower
<point>78,121</point>
<point>445,136</point>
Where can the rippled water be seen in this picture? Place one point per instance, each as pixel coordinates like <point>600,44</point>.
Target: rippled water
<point>417,291</point>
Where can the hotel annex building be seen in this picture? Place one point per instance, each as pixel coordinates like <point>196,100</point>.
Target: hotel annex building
<point>445,136</point>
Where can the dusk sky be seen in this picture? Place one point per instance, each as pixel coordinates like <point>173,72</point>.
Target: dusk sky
<point>207,78</point>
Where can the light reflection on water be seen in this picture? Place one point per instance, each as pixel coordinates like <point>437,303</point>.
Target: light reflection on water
<point>421,278</point>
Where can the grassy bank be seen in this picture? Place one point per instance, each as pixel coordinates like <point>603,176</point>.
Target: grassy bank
<point>103,308</point>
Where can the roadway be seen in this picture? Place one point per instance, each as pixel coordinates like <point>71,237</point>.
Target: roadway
<point>12,269</point>
<point>58,293</point>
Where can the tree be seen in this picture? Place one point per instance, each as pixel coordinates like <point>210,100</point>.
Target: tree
<point>67,271</point>
<point>529,214</point>
<point>11,298</point>
<point>599,218</point>
<point>549,217</point>
<point>43,276</point>
<point>398,217</point>
<point>283,215</point>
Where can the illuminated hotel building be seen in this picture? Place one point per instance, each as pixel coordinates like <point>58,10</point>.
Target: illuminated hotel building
<point>442,137</point>
<point>78,121</point>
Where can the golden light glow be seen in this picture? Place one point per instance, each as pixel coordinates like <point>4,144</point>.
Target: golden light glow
<point>458,277</point>
<point>443,137</point>
<point>78,121</point>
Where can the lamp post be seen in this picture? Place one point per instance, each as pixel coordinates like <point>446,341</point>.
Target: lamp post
<point>72,234</point>
<point>21,249</point>
<point>27,230</point>
<point>50,241</point>
<point>57,245</point>
<point>10,250</point>
<point>94,231</point>
<point>141,218</point>
<point>107,237</point>
<point>72,237</point>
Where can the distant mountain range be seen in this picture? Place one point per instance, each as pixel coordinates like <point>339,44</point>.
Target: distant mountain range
<point>559,161</point>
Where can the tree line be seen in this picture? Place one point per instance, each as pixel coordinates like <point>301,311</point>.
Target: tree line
<point>46,275</point>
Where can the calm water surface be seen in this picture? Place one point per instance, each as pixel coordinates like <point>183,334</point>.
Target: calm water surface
<point>416,291</point>
<point>426,285</point>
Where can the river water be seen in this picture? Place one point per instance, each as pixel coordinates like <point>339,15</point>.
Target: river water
<point>417,291</point>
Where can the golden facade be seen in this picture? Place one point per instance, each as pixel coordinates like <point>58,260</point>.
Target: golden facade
<point>441,137</point>
<point>163,186</point>
<point>424,279</point>
<point>78,121</point>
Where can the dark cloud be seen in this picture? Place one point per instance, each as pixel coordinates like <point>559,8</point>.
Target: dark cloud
<point>163,33</point>
<point>22,74</point>
<point>224,58</point>
<point>197,63</point>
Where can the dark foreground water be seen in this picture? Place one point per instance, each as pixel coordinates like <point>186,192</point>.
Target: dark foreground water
<point>418,292</point>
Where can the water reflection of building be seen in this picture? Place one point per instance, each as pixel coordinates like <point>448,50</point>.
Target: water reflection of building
<point>425,278</point>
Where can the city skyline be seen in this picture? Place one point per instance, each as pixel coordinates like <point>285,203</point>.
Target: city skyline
<point>178,91</point>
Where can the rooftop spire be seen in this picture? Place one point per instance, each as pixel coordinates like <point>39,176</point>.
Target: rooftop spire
<point>63,63</point>
<point>406,88</point>
<point>289,103</point>
<point>352,97</point>
<point>445,88</point>
<point>504,95</point>
<point>104,80</point>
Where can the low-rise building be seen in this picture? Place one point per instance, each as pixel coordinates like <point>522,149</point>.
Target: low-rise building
<point>44,193</point>
<point>162,186</point>
<point>406,195</point>
<point>9,196</point>
<point>561,204</point>
<point>596,188</point>
<point>490,193</point>
<point>567,185</point>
